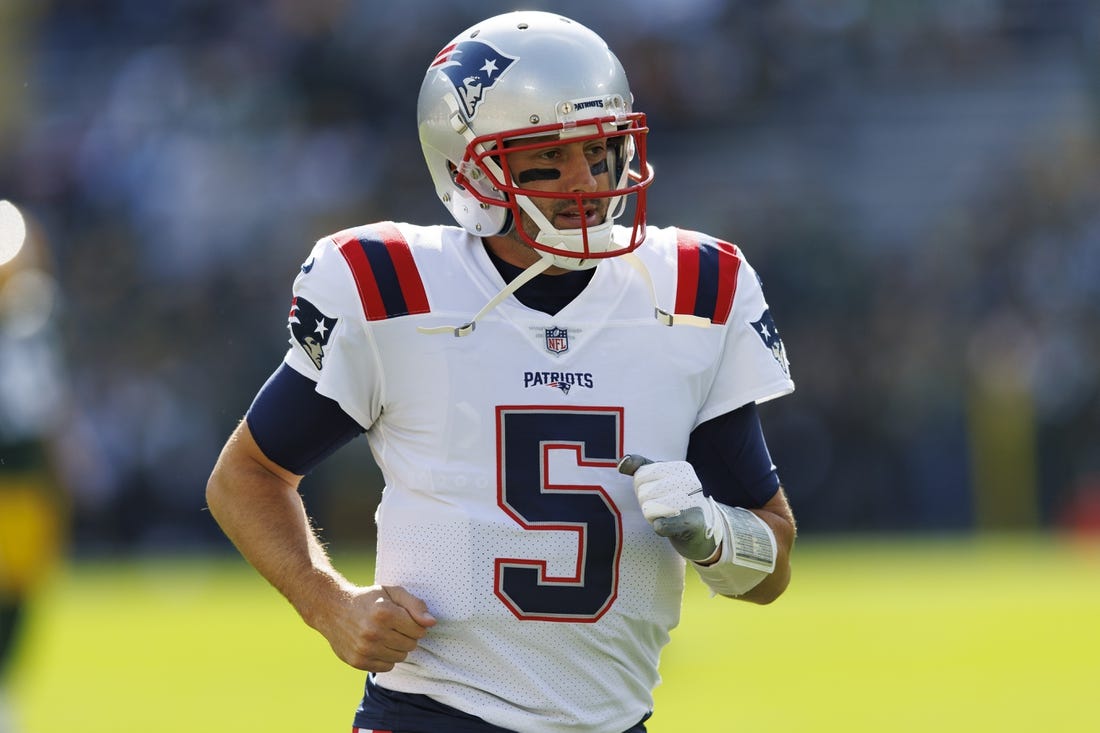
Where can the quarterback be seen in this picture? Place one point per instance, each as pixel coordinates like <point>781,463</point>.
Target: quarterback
<point>563,408</point>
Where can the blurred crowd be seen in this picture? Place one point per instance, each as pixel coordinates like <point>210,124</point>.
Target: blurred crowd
<point>917,183</point>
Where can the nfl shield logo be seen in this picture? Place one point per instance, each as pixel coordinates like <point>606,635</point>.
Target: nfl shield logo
<point>557,340</point>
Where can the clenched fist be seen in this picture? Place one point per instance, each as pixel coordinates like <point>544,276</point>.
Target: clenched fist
<point>672,501</point>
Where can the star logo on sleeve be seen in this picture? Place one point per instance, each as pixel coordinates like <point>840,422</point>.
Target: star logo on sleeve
<point>769,335</point>
<point>310,328</point>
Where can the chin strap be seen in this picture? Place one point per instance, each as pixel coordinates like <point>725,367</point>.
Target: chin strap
<point>522,279</point>
<point>666,318</point>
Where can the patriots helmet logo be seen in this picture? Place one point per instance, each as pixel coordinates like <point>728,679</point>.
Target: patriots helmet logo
<point>310,328</point>
<point>769,334</point>
<point>473,67</point>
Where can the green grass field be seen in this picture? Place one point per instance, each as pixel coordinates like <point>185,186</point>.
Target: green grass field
<point>990,634</point>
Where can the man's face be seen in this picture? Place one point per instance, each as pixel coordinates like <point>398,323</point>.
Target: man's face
<point>563,167</point>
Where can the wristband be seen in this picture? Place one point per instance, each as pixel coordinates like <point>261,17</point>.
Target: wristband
<point>748,553</point>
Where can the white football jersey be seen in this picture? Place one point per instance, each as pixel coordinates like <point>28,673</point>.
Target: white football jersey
<point>502,508</point>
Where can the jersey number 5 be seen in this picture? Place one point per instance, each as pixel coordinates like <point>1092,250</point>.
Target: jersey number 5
<point>526,437</point>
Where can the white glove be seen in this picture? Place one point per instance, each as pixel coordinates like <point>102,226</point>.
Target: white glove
<point>672,500</point>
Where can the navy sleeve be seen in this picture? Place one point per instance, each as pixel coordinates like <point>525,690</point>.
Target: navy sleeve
<point>731,459</point>
<point>295,426</point>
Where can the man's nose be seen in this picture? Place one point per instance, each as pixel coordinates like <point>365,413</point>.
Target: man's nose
<point>577,172</point>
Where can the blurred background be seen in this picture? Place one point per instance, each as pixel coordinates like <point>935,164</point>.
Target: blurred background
<point>918,184</point>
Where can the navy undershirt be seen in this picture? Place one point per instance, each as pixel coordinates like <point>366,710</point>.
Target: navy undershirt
<point>546,293</point>
<point>298,428</point>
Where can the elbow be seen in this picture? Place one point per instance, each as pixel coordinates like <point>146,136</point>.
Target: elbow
<point>220,486</point>
<point>215,491</point>
<point>772,588</point>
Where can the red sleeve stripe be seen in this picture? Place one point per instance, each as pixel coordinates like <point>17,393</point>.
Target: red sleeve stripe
<point>385,272</point>
<point>687,269</point>
<point>706,276</point>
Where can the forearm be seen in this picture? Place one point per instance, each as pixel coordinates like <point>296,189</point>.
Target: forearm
<point>258,506</point>
<point>779,518</point>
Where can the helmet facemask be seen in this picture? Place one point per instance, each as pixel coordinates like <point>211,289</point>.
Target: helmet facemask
<point>486,174</point>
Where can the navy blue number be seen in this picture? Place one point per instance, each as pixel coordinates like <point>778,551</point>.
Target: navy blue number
<point>526,491</point>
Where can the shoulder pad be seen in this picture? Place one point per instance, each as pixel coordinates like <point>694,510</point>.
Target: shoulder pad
<point>706,275</point>
<point>385,273</point>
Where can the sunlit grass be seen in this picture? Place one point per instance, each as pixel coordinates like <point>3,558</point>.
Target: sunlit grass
<point>952,635</point>
<point>990,635</point>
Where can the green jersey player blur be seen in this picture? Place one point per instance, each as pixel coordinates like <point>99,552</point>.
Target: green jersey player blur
<point>563,409</point>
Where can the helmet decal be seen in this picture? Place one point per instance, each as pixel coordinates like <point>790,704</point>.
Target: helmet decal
<point>473,68</point>
<point>310,328</point>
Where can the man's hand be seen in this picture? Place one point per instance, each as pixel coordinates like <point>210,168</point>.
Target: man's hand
<point>672,500</point>
<point>256,502</point>
<point>377,627</point>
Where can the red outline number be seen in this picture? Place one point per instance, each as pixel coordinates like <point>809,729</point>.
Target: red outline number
<point>526,437</point>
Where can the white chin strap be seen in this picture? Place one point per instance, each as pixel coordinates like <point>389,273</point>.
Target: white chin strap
<point>569,240</point>
<point>522,279</point>
<point>544,263</point>
<point>663,316</point>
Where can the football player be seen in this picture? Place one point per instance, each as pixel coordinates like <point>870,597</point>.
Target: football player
<point>33,504</point>
<point>563,409</point>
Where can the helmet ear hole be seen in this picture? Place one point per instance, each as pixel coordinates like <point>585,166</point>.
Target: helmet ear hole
<point>475,216</point>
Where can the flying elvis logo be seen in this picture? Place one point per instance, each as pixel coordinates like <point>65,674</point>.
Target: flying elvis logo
<point>473,67</point>
<point>769,334</point>
<point>564,381</point>
<point>310,328</point>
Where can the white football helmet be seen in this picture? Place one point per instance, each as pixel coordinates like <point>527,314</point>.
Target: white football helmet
<point>531,75</point>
